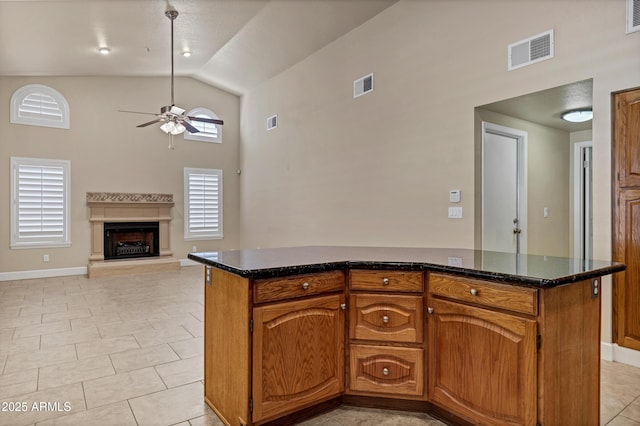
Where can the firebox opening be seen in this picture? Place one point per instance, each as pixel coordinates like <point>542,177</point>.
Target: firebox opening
<point>124,240</point>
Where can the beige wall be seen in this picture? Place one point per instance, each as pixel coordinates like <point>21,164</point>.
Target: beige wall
<point>108,153</point>
<point>376,170</point>
<point>548,184</point>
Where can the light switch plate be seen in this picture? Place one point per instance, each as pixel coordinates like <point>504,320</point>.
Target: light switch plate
<point>455,212</point>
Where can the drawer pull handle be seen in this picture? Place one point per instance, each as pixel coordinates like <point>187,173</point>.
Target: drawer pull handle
<point>430,310</point>
<point>305,286</point>
<point>385,319</point>
<point>473,292</point>
<point>385,281</point>
<point>385,371</point>
<point>343,306</point>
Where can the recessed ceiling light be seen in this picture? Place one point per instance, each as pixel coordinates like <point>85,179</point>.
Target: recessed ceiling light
<point>104,50</point>
<point>186,53</point>
<point>578,116</point>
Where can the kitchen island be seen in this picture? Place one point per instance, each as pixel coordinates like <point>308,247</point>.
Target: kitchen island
<point>470,336</point>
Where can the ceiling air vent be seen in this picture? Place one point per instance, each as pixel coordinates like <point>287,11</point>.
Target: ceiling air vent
<point>534,49</point>
<point>363,85</point>
<point>272,122</point>
<point>633,16</point>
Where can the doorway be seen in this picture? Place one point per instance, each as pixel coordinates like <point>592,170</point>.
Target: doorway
<point>504,189</point>
<point>582,201</point>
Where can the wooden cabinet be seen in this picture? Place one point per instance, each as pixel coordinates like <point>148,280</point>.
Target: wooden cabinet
<point>502,354</point>
<point>482,364</point>
<point>272,346</point>
<point>386,334</point>
<point>298,354</point>
<point>626,218</point>
<point>490,353</point>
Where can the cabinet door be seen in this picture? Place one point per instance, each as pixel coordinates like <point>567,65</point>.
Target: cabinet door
<point>298,355</point>
<point>482,364</point>
<point>626,131</point>
<point>626,288</point>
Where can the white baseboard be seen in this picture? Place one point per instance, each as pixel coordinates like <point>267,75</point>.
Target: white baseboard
<point>42,273</point>
<point>613,352</point>
<point>62,272</point>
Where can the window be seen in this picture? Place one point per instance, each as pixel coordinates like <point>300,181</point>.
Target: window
<point>40,202</point>
<point>202,204</point>
<point>38,105</point>
<point>208,132</point>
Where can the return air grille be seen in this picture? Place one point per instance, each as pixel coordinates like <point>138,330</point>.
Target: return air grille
<point>363,85</point>
<point>272,122</point>
<point>534,49</point>
<point>633,16</point>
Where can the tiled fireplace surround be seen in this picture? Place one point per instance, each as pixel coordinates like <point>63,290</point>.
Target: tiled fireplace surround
<point>129,207</point>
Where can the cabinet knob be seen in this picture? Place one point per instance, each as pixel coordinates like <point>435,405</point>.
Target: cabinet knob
<point>385,319</point>
<point>473,292</point>
<point>385,371</point>
<point>385,281</point>
<point>430,310</point>
<point>343,306</point>
<point>305,286</point>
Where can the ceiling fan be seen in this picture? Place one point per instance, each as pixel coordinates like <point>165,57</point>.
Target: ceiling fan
<point>174,120</point>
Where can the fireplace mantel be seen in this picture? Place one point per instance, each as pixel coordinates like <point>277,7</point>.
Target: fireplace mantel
<point>129,207</point>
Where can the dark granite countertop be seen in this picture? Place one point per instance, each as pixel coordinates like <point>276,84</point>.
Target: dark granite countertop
<point>521,269</point>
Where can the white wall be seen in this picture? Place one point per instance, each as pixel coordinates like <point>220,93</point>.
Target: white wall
<point>376,170</point>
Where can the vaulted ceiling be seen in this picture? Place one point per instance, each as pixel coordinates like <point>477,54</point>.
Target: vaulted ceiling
<point>235,44</point>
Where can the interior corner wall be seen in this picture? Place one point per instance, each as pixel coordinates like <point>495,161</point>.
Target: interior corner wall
<point>109,154</point>
<point>377,170</point>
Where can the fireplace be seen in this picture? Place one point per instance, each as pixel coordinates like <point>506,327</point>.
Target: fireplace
<point>130,233</point>
<point>125,240</point>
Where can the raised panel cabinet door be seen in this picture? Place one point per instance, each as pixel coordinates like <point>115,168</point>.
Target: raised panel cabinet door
<point>627,283</point>
<point>626,138</point>
<point>298,355</point>
<point>482,364</point>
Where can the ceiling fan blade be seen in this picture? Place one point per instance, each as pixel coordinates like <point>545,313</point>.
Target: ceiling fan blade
<point>206,120</point>
<point>151,122</point>
<point>138,112</point>
<point>189,127</point>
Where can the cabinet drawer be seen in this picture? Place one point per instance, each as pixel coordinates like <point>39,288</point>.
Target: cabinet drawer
<point>512,298</point>
<point>408,281</point>
<point>271,289</point>
<point>387,370</point>
<point>386,318</point>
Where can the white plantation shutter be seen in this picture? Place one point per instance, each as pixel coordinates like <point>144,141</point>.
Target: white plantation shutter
<point>208,132</point>
<point>39,105</point>
<point>203,204</point>
<point>40,195</point>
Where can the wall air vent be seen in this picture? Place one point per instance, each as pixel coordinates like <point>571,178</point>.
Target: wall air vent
<point>363,85</point>
<point>633,16</point>
<point>272,122</point>
<point>534,49</point>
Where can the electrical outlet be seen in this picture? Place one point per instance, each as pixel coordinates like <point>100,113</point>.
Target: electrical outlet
<point>45,258</point>
<point>194,249</point>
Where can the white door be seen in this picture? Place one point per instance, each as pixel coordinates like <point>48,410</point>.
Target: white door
<point>503,189</point>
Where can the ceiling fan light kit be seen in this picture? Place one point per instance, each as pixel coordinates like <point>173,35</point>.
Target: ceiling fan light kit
<point>174,120</point>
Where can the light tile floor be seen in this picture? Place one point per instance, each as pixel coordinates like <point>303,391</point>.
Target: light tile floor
<point>129,351</point>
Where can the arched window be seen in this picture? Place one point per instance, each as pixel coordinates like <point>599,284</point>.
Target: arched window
<point>208,132</point>
<point>39,105</point>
